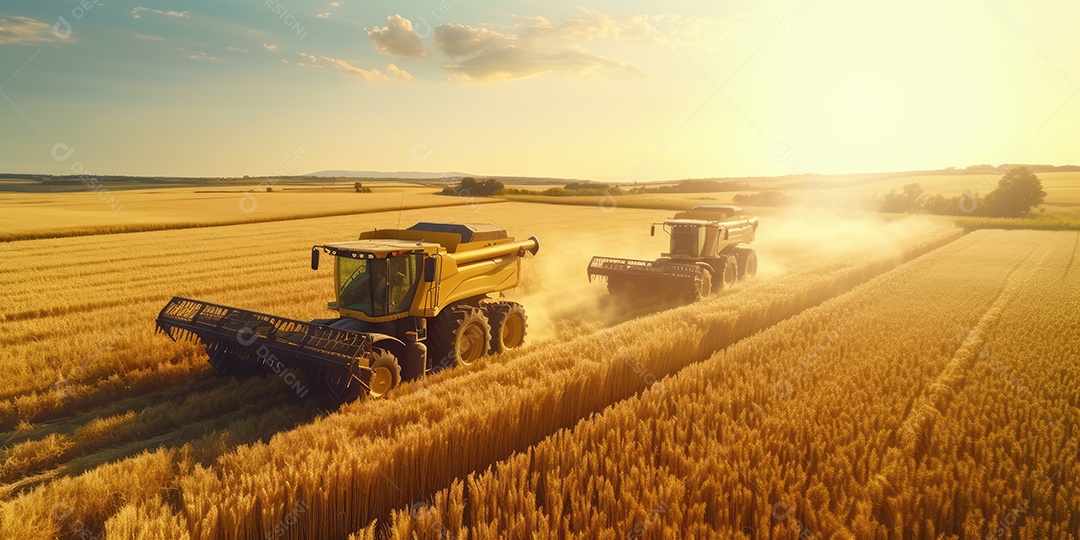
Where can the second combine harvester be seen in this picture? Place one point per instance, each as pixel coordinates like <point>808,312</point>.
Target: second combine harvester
<point>704,256</point>
<point>396,290</point>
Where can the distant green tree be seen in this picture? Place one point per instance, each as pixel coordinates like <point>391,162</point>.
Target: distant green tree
<point>905,200</point>
<point>1015,195</point>
<point>471,187</point>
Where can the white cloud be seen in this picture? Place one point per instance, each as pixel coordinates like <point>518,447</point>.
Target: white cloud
<point>513,63</point>
<point>370,75</point>
<point>587,25</point>
<point>325,15</point>
<point>136,13</point>
<point>335,4</point>
<point>236,49</point>
<point>270,46</point>
<point>24,31</point>
<point>397,38</point>
<point>464,40</point>
<point>147,37</point>
<point>196,55</point>
<point>537,46</point>
<point>591,25</point>
<point>398,73</point>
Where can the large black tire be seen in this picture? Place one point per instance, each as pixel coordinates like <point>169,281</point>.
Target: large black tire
<point>730,270</point>
<point>706,285</point>
<point>414,363</point>
<point>746,261</point>
<point>346,387</point>
<point>458,335</point>
<point>508,325</point>
<point>385,373</point>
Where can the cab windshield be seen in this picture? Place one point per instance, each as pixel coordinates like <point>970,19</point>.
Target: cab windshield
<point>378,287</point>
<point>687,240</point>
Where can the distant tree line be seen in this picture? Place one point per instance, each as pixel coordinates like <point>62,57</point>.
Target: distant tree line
<point>765,198</point>
<point>471,187</point>
<point>1015,195</point>
<point>491,187</point>
<point>694,186</point>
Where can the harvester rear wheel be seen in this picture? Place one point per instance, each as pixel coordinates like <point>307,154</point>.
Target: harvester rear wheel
<point>459,335</point>
<point>746,260</point>
<point>508,325</point>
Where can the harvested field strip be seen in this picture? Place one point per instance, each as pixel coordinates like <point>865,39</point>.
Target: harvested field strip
<point>42,452</point>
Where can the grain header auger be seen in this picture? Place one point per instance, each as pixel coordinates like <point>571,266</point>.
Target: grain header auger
<point>400,295</point>
<point>704,256</point>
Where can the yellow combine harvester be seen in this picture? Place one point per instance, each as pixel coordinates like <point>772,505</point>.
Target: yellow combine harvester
<point>704,256</point>
<point>396,291</point>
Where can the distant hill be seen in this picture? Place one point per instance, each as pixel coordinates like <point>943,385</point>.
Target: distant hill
<point>399,175</point>
<point>416,175</point>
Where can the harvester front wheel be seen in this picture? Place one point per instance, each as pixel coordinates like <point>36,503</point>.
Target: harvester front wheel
<point>730,270</point>
<point>705,284</point>
<point>460,335</point>
<point>508,324</point>
<point>385,373</point>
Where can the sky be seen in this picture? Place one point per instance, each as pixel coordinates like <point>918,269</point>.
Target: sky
<point>627,90</point>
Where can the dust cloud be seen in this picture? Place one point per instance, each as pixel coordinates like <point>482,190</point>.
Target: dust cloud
<point>562,303</point>
<point>789,238</point>
<point>555,288</point>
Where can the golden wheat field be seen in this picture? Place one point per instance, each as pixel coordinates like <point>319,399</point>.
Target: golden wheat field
<point>45,214</point>
<point>923,404</point>
<point>442,270</point>
<point>879,378</point>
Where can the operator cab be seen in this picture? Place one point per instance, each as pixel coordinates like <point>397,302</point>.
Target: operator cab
<point>377,277</point>
<point>690,238</point>
<point>378,287</point>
